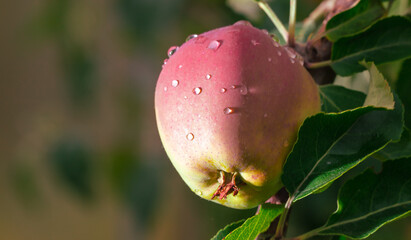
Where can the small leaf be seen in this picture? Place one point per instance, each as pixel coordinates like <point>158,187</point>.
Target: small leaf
<point>387,40</point>
<point>354,19</point>
<point>256,224</point>
<point>397,150</point>
<point>369,201</point>
<point>337,99</point>
<point>227,230</point>
<point>379,93</point>
<point>329,145</point>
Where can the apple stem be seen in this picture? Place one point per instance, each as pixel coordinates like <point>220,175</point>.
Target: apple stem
<point>224,189</point>
<point>273,17</point>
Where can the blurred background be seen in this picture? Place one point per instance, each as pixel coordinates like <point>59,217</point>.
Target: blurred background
<point>80,156</point>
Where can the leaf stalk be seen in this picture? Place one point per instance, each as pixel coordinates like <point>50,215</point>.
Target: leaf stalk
<point>291,23</point>
<point>279,233</point>
<point>318,64</point>
<point>273,17</point>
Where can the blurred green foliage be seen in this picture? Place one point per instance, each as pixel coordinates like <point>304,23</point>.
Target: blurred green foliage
<point>97,134</point>
<point>72,162</point>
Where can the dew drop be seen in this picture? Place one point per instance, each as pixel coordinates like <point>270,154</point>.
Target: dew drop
<point>185,97</point>
<point>243,90</point>
<point>172,50</point>
<point>254,42</point>
<point>180,66</point>
<point>174,83</point>
<point>328,163</point>
<point>165,62</point>
<point>165,89</point>
<point>198,192</point>
<point>228,110</point>
<point>265,115</point>
<point>215,44</point>
<point>223,90</point>
<point>265,31</point>
<point>292,60</point>
<point>191,37</point>
<point>197,90</point>
<point>190,137</point>
<point>286,143</point>
<point>269,59</point>
<point>279,53</point>
<point>291,53</point>
<point>242,22</point>
<point>208,76</point>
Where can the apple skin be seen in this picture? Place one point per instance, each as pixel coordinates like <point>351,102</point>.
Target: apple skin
<point>236,108</point>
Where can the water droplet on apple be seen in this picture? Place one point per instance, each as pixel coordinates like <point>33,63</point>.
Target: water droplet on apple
<point>190,137</point>
<point>242,22</point>
<point>215,44</point>
<point>197,90</point>
<point>198,192</point>
<point>223,90</point>
<point>174,83</point>
<point>279,53</point>
<point>165,89</point>
<point>208,76</point>
<point>172,50</point>
<point>291,53</point>
<point>269,59</point>
<point>228,110</point>
<point>254,42</point>
<point>265,115</point>
<point>243,90</point>
<point>165,62</point>
<point>191,37</point>
<point>180,66</point>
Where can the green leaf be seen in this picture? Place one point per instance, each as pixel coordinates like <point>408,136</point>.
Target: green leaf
<point>397,150</point>
<point>330,144</point>
<point>379,93</point>
<point>256,224</point>
<point>227,230</point>
<point>354,20</point>
<point>369,201</point>
<point>337,99</point>
<point>403,89</point>
<point>387,40</point>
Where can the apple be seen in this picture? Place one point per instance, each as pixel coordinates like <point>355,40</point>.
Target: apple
<point>229,103</point>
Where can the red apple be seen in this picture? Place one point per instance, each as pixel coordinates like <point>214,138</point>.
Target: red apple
<point>229,103</point>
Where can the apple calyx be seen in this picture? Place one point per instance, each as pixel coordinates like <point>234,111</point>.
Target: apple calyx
<point>226,188</point>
